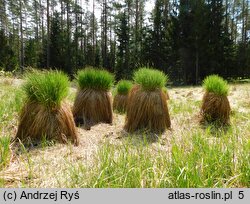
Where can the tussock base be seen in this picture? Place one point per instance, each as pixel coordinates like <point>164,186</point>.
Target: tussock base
<point>147,110</point>
<point>215,108</point>
<point>38,121</point>
<point>92,107</point>
<point>120,102</point>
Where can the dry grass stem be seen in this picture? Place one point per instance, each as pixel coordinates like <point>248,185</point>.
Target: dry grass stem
<point>37,121</point>
<point>215,108</point>
<point>147,110</point>
<point>92,107</point>
<point>120,102</point>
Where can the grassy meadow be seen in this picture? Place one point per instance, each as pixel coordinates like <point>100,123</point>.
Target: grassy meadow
<point>188,155</point>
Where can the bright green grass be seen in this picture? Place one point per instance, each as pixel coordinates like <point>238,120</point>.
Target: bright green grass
<point>11,100</point>
<point>48,88</point>
<point>5,152</point>
<point>150,79</point>
<point>123,87</point>
<point>216,84</point>
<point>202,161</point>
<point>180,107</point>
<point>95,79</point>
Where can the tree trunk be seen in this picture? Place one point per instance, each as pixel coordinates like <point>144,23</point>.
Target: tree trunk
<point>196,62</point>
<point>246,21</point>
<point>243,23</point>
<point>68,67</point>
<point>233,30</point>
<point>48,35</point>
<point>105,30</point>
<point>36,21</point>
<point>93,33</point>
<point>76,34</point>
<point>61,2</point>
<point>21,33</point>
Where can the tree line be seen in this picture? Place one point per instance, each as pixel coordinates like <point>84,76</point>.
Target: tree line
<point>187,39</point>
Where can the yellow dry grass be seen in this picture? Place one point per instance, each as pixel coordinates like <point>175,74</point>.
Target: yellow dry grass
<point>147,110</point>
<point>92,107</point>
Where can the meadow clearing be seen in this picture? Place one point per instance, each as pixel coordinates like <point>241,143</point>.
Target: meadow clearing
<point>187,155</point>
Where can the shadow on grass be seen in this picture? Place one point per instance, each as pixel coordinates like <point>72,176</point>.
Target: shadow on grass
<point>22,148</point>
<point>141,136</point>
<point>87,125</point>
<point>215,128</point>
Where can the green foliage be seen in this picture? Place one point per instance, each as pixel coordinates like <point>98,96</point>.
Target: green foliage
<point>5,152</point>
<point>193,162</point>
<point>150,79</point>
<point>216,84</point>
<point>48,88</point>
<point>123,59</point>
<point>11,100</point>
<point>123,87</point>
<point>8,59</point>
<point>95,79</point>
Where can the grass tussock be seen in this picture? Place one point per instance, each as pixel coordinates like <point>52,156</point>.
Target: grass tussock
<point>96,79</point>
<point>215,84</point>
<point>165,90</point>
<point>123,87</point>
<point>120,103</point>
<point>147,110</point>
<point>215,108</point>
<point>150,79</point>
<point>147,102</point>
<point>48,88</point>
<point>215,105</point>
<point>37,122</point>
<point>121,95</point>
<point>92,107</point>
<point>45,114</point>
<point>93,102</point>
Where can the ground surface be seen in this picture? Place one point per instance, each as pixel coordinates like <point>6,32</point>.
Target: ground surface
<point>188,155</point>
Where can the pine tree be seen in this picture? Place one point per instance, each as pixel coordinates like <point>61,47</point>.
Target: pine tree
<point>122,32</point>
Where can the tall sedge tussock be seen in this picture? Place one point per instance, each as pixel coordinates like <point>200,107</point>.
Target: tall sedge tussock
<point>45,113</point>
<point>147,102</point>
<point>93,102</point>
<point>93,106</point>
<point>215,105</point>
<point>121,95</point>
<point>37,121</point>
<point>150,79</point>
<point>216,84</point>
<point>120,102</point>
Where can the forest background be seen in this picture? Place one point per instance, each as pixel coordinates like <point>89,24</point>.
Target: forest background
<point>187,39</point>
